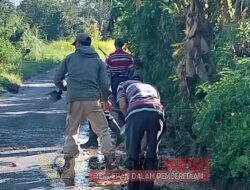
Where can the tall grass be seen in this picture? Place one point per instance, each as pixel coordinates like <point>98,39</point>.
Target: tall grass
<point>51,53</point>
<point>107,46</point>
<point>10,58</point>
<point>43,56</point>
<point>56,50</point>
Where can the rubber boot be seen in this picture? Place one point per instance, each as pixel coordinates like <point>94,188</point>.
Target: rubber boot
<point>92,142</point>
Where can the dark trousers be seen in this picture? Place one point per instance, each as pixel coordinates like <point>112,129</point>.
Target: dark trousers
<point>115,81</point>
<point>137,125</point>
<point>112,125</point>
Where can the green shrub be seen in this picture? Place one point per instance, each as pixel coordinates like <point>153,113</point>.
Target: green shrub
<point>10,59</point>
<point>223,126</point>
<point>11,77</point>
<point>9,55</point>
<point>3,81</point>
<point>150,32</point>
<point>227,40</point>
<point>31,40</point>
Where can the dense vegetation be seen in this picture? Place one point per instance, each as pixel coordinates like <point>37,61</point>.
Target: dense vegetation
<point>37,34</point>
<point>212,119</point>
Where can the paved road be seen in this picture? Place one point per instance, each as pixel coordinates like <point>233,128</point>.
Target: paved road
<point>32,132</point>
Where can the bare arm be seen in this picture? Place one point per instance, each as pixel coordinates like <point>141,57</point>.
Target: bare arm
<point>123,105</point>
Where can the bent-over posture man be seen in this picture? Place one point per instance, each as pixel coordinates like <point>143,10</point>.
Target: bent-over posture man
<point>87,80</point>
<point>140,103</point>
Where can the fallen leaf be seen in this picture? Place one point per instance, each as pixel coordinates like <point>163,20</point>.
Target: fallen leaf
<point>13,164</point>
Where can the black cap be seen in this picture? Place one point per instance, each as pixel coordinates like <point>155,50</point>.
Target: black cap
<point>82,37</point>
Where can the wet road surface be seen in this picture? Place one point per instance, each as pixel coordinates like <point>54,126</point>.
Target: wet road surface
<point>32,130</point>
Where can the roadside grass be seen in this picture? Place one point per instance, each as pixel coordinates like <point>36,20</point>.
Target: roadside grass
<point>56,50</point>
<point>106,45</point>
<point>50,54</point>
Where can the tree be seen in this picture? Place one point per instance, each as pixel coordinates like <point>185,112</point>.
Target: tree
<point>195,63</point>
<point>63,18</point>
<point>44,14</point>
<point>10,21</point>
<point>55,18</point>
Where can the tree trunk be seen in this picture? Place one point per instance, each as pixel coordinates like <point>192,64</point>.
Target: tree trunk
<point>238,7</point>
<point>194,65</point>
<point>225,10</point>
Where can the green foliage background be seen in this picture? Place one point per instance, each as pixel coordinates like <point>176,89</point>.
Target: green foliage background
<point>31,27</point>
<point>222,125</point>
<point>215,124</point>
<point>150,37</point>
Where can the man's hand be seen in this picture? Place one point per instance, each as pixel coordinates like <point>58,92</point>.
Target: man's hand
<point>106,105</point>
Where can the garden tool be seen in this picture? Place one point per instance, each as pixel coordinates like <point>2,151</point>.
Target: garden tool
<point>55,95</point>
<point>106,55</point>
